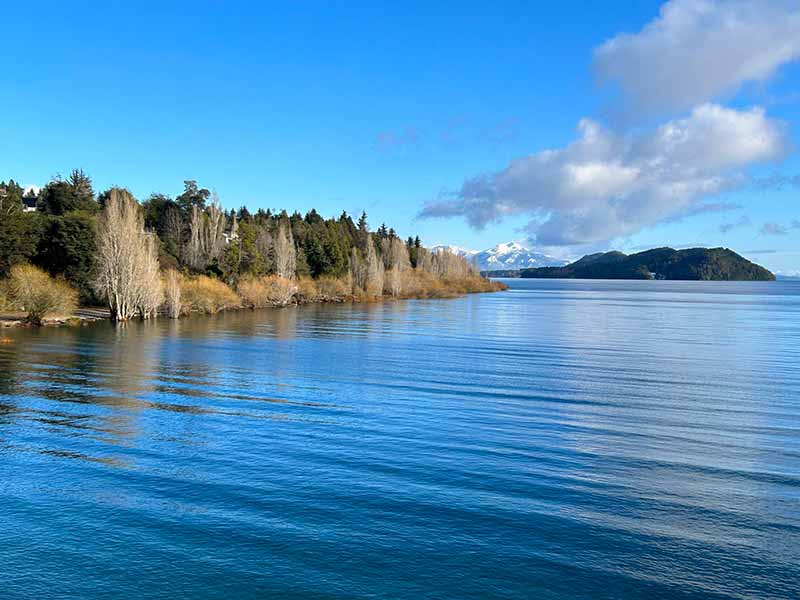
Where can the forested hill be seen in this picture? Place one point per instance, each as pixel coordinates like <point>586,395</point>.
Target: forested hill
<point>705,264</point>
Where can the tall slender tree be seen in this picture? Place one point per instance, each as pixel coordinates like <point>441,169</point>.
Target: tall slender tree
<point>127,259</point>
<point>285,254</point>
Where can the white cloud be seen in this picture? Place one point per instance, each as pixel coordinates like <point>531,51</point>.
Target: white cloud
<point>605,185</point>
<point>700,50</point>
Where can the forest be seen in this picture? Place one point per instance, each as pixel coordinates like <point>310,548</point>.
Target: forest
<point>67,246</point>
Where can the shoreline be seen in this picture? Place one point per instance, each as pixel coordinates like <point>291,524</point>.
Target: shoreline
<point>82,316</point>
<point>86,315</point>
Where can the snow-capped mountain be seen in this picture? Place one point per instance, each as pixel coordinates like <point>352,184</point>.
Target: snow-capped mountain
<point>508,256</point>
<point>454,249</point>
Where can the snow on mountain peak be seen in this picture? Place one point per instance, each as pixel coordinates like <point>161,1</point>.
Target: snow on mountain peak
<point>454,249</point>
<point>504,256</point>
<point>509,247</point>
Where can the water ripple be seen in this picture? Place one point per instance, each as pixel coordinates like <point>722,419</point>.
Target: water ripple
<point>561,440</point>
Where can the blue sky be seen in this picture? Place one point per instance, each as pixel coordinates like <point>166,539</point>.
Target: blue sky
<point>392,108</point>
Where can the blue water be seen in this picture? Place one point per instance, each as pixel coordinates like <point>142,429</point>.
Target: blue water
<point>560,440</point>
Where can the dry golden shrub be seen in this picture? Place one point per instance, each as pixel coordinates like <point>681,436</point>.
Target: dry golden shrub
<point>206,295</point>
<point>333,289</point>
<point>251,292</point>
<point>418,283</point>
<point>307,290</point>
<point>34,292</point>
<point>271,290</point>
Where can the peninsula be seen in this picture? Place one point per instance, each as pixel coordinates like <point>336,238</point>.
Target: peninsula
<point>65,246</point>
<point>694,264</point>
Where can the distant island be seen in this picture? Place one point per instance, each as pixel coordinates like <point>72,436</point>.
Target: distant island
<point>694,264</point>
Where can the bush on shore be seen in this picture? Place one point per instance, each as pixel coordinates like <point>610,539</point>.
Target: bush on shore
<point>270,290</point>
<point>306,291</point>
<point>39,295</point>
<point>333,289</point>
<point>206,295</point>
<point>473,285</point>
<point>416,283</point>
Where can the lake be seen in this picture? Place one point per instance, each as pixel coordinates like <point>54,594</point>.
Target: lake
<point>564,439</point>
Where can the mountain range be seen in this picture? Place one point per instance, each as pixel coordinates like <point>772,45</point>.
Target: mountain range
<point>507,256</point>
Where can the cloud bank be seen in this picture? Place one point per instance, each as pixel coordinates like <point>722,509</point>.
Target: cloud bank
<point>699,50</point>
<point>606,185</point>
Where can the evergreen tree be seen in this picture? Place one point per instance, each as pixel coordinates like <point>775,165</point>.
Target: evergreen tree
<point>192,196</point>
<point>362,223</point>
<point>67,246</point>
<point>19,231</point>
<point>61,197</point>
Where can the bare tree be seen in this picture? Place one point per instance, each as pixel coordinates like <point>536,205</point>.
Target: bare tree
<point>172,293</point>
<point>215,230</point>
<point>265,247</point>
<point>234,234</point>
<point>173,230</point>
<point>425,261</point>
<point>195,249</point>
<point>396,261</point>
<point>358,271</point>
<point>285,254</point>
<point>366,270</point>
<point>150,293</point>
<point>445,264</point>
<point>394,253</point>
<point>374,268</point>
<point>127,259</point>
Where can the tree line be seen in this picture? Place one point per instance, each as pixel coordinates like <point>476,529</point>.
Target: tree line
<point>140,258</point>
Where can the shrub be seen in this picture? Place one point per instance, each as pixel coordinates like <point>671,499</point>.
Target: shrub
<point>417,283</point>
<point>251,292</point>
<point>206,295</point>
<point>474,284</point>
<point>39,295</point>
<point>332,289</point>
<point>258,292</point>
<point>430,286</point>
<point>280,291</point>
<point>306,290</point>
